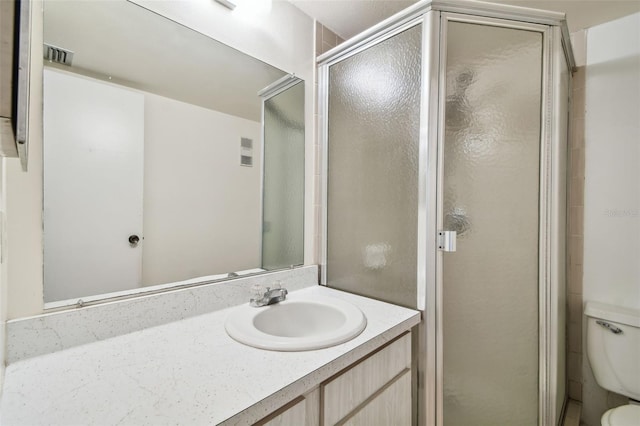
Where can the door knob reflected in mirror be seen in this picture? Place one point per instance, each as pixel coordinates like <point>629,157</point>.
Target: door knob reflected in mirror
<point>134,240</point>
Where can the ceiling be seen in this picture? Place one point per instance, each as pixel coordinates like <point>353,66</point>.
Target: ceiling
<point>350,17</point>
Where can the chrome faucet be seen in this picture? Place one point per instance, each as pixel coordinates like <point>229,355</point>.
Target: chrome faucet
<point>269,297</point>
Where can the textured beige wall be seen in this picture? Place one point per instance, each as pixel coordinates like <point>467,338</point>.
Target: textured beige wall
<point>576,214</point>
<point>3,278</point>
<point>325,39</point>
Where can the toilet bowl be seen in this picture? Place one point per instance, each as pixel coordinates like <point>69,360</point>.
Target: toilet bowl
<point>627,415</point>
<point>613,350</point>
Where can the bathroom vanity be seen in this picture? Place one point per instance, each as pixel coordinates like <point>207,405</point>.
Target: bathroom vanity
<point>191,372</point>
<point>374,390</point>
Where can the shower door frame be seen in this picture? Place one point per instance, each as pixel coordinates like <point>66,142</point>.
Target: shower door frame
<point>433,16</point>
<point>545,411</point>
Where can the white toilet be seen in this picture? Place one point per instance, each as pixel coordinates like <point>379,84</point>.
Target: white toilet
<point>613,348</point>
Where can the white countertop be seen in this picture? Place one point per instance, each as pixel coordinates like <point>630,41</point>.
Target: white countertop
<point>185,372</point>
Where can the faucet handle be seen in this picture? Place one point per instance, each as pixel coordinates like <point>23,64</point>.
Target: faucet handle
<point>257,291</point>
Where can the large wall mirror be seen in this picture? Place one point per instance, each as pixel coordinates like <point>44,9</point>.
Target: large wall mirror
<point>169,158</point>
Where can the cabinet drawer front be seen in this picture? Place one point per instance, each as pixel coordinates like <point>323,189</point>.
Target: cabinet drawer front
<point>302,411</point>
<point>391,407</point>
<point>294,415</point>
<point>344,393</point>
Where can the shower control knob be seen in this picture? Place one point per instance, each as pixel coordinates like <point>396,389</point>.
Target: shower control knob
<point>134,240</point>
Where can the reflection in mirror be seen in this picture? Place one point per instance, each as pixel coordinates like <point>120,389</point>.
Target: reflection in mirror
<point>154,173</point>
<point>283,200</point>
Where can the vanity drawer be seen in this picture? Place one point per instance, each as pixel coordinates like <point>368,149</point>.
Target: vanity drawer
<point>302,411</point>
<point>351,392</point>
<point>292,415</point>
<point>392,406</point>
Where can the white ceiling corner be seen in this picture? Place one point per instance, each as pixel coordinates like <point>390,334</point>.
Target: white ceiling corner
<point>350,17</point>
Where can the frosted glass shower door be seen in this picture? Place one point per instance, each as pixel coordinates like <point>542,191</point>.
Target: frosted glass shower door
<point>491,169</point>
<point>373,135</point>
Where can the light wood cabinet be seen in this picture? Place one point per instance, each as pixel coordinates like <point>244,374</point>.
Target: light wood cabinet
<point>353,389</point>
<point>392,406</point>
<point>375,390</point>
<point>292,415</point>
<point>302,411</point>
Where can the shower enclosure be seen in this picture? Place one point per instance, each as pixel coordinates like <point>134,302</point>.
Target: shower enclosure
<point>444,131</point>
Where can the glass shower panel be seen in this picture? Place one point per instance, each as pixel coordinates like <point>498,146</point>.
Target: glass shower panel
<point>283,185</point>
<point>491,198</point>
<point>374,127</point>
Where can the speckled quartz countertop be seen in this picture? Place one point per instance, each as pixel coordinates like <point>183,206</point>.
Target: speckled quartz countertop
<point>188,372</point>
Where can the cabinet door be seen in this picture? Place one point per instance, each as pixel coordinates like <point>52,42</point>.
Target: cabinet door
<point>302,411</point>
<point>294,415</point>
<point>349,393</point>
<point>391,407</point>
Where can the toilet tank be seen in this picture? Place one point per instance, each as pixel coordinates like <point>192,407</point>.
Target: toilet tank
<point>613,347</point>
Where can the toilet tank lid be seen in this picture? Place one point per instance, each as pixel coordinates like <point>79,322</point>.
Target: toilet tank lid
<point>619,314</point>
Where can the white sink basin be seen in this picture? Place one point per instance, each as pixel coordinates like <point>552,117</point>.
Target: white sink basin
<point>297,324</point>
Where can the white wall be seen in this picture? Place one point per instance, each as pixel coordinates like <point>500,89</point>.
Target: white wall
<point>612,181</point>
<point>23,198</point>
<point>3,277</point>
<point>201,207</point>
<point>612,168</point>
<point>283,39</point>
